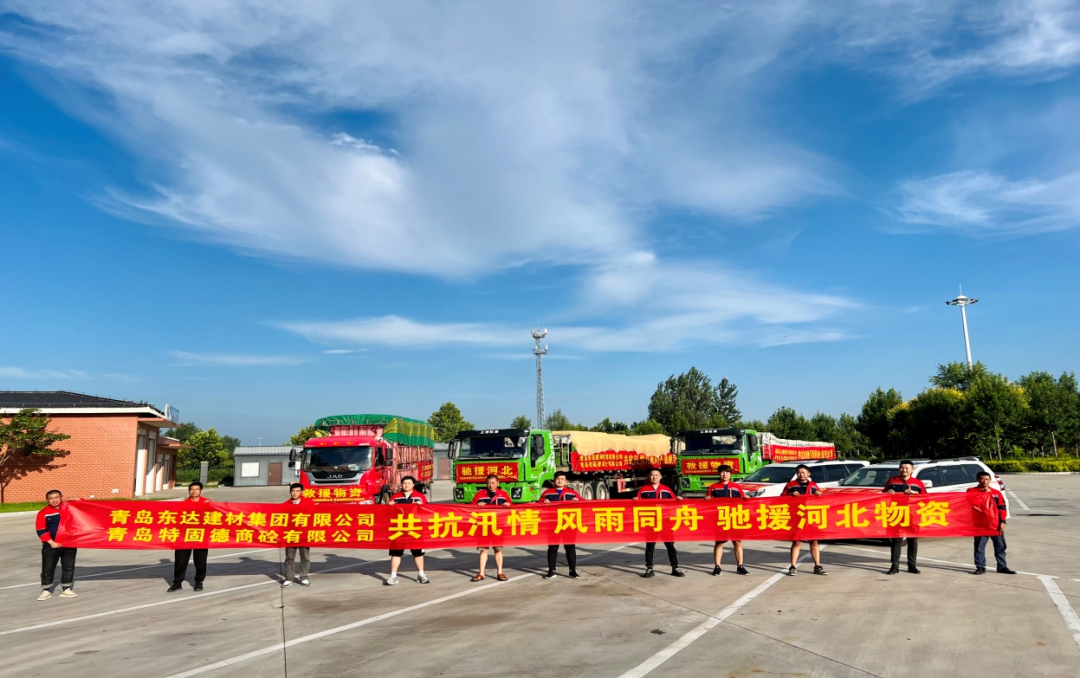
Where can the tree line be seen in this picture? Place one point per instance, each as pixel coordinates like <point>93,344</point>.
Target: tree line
<point>965,411</point>
<point>209,446</point>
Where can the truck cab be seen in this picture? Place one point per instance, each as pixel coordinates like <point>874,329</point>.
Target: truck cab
<point>522,459</point>
<point>353,469</point>
<point>701,452</point>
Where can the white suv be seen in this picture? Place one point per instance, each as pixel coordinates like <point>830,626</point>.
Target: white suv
<point>938,475</point>
<point>769,481</point>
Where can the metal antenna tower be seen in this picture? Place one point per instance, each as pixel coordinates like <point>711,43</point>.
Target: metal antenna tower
<point>961,301</point>
<point>539,352</point>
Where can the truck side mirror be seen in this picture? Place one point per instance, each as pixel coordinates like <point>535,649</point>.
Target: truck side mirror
<point>453,449</point>
<point>754,445</point>
<point>292,463</point>
<point>293,454</point>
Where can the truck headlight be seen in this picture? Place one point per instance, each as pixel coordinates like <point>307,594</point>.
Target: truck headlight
<point>459,493</point>
<point>684,482</point>
<point>515,493</point>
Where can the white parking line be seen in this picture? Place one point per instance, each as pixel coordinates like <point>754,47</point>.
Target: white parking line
<point>133,569</point>
<point>278,647</point>
<point>178,599</point>
<point>670,651</point>
<point>1018,500</point>
<point>943,562</point>
<point>1063,606</point>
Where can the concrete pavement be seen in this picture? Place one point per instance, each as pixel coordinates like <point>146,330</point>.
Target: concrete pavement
<point>855,622</point>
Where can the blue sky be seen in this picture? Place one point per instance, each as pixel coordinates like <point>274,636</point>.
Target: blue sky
<point>263,213</point>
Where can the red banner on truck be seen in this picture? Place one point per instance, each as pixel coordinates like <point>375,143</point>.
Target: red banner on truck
<point>478,473</point>
<point>779,453</point>
<point>708,467</point>
<point>166,525</point>
<point>619,460</point>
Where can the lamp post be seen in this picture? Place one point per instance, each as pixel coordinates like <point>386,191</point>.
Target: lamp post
<point>963,302</point>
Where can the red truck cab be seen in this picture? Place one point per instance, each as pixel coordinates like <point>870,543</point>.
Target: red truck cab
<point>362,458</point>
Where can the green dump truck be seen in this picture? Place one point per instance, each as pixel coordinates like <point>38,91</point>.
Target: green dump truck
<point>599,465</point>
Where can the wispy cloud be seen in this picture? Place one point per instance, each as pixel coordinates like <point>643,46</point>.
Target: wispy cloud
<point>344,351</point>
<point>981,203</point>
<point>639,304</point>
<point>41,374</point>
<point>236,360</point>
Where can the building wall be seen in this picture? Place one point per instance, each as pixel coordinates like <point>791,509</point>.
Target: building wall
<point>288,476</point>
<point>102,458</point>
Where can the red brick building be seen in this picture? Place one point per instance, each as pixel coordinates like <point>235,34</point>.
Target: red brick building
<point>117,448</point>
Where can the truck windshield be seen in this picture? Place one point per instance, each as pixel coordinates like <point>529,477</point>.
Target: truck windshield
<point>495,448</point>
<point>771,474</point>
<point>713,444</point>
<point>338,458</point>
<point>870,477</point>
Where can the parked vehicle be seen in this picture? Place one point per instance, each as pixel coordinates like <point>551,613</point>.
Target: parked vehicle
<point>701,452</point>
<point>769,481</point>
<point>598,465</point>
<point>361,458</point>
<point>938,475</point>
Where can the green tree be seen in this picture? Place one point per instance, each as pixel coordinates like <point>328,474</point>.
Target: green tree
<point>303,435</point>
<point>207,446</point>
<point>447,422</point>
<point>521,422</point>
<point>609,426</point>
<point>754,425</point>
<point>26,445</point>
<point>929,425</point>
<point>787,423</point>
<point>726,393</point>
<point>958,375</point>
<point>849,441</point>
<point>1053,415</point>
<point>646,428</point>
<point>183,432</point>
<point>230,443</point>
<point>557,421</point>
<point>997,415</point>
<point>873,421</point>
<point>825,427</point>
<point>690,401</point>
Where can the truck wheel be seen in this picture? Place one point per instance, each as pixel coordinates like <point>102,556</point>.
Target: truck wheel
<point>602,492</point>
<point>588,492</point>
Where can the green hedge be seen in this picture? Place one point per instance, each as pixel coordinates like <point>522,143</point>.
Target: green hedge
<point>1034,465</point>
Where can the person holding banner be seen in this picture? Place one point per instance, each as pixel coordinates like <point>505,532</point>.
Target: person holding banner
<point>654,490</point>
<point>904,484</point>
<point>407,496</point>
<point>560,493</point>
<point>492,496</point>
<point>725,489</point>
<point>999,539</point>
<point>183,556</point>
<point>297,498</point>
<point>48,522</point>
<point>803,486</point>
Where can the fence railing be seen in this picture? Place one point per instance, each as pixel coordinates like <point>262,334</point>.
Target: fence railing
<point>215,474</point>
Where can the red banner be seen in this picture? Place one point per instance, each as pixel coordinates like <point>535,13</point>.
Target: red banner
<point>619,460</point>
<point>708,467</point>
<point>478,473</point>
<point>171,525</point>
<point>779,453</point>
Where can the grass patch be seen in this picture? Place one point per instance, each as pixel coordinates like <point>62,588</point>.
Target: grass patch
<point>22,506</point>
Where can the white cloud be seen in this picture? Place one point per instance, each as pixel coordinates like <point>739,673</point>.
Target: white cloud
<point>981,203</point>
<point>236,360</point>
<point>43,375</point>
<point>344,351</point>
<point>639,304</point>
<point>518,131</point>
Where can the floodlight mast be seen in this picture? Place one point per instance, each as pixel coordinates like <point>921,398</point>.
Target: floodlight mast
<point>963,302</point>
<point>539,352</point>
